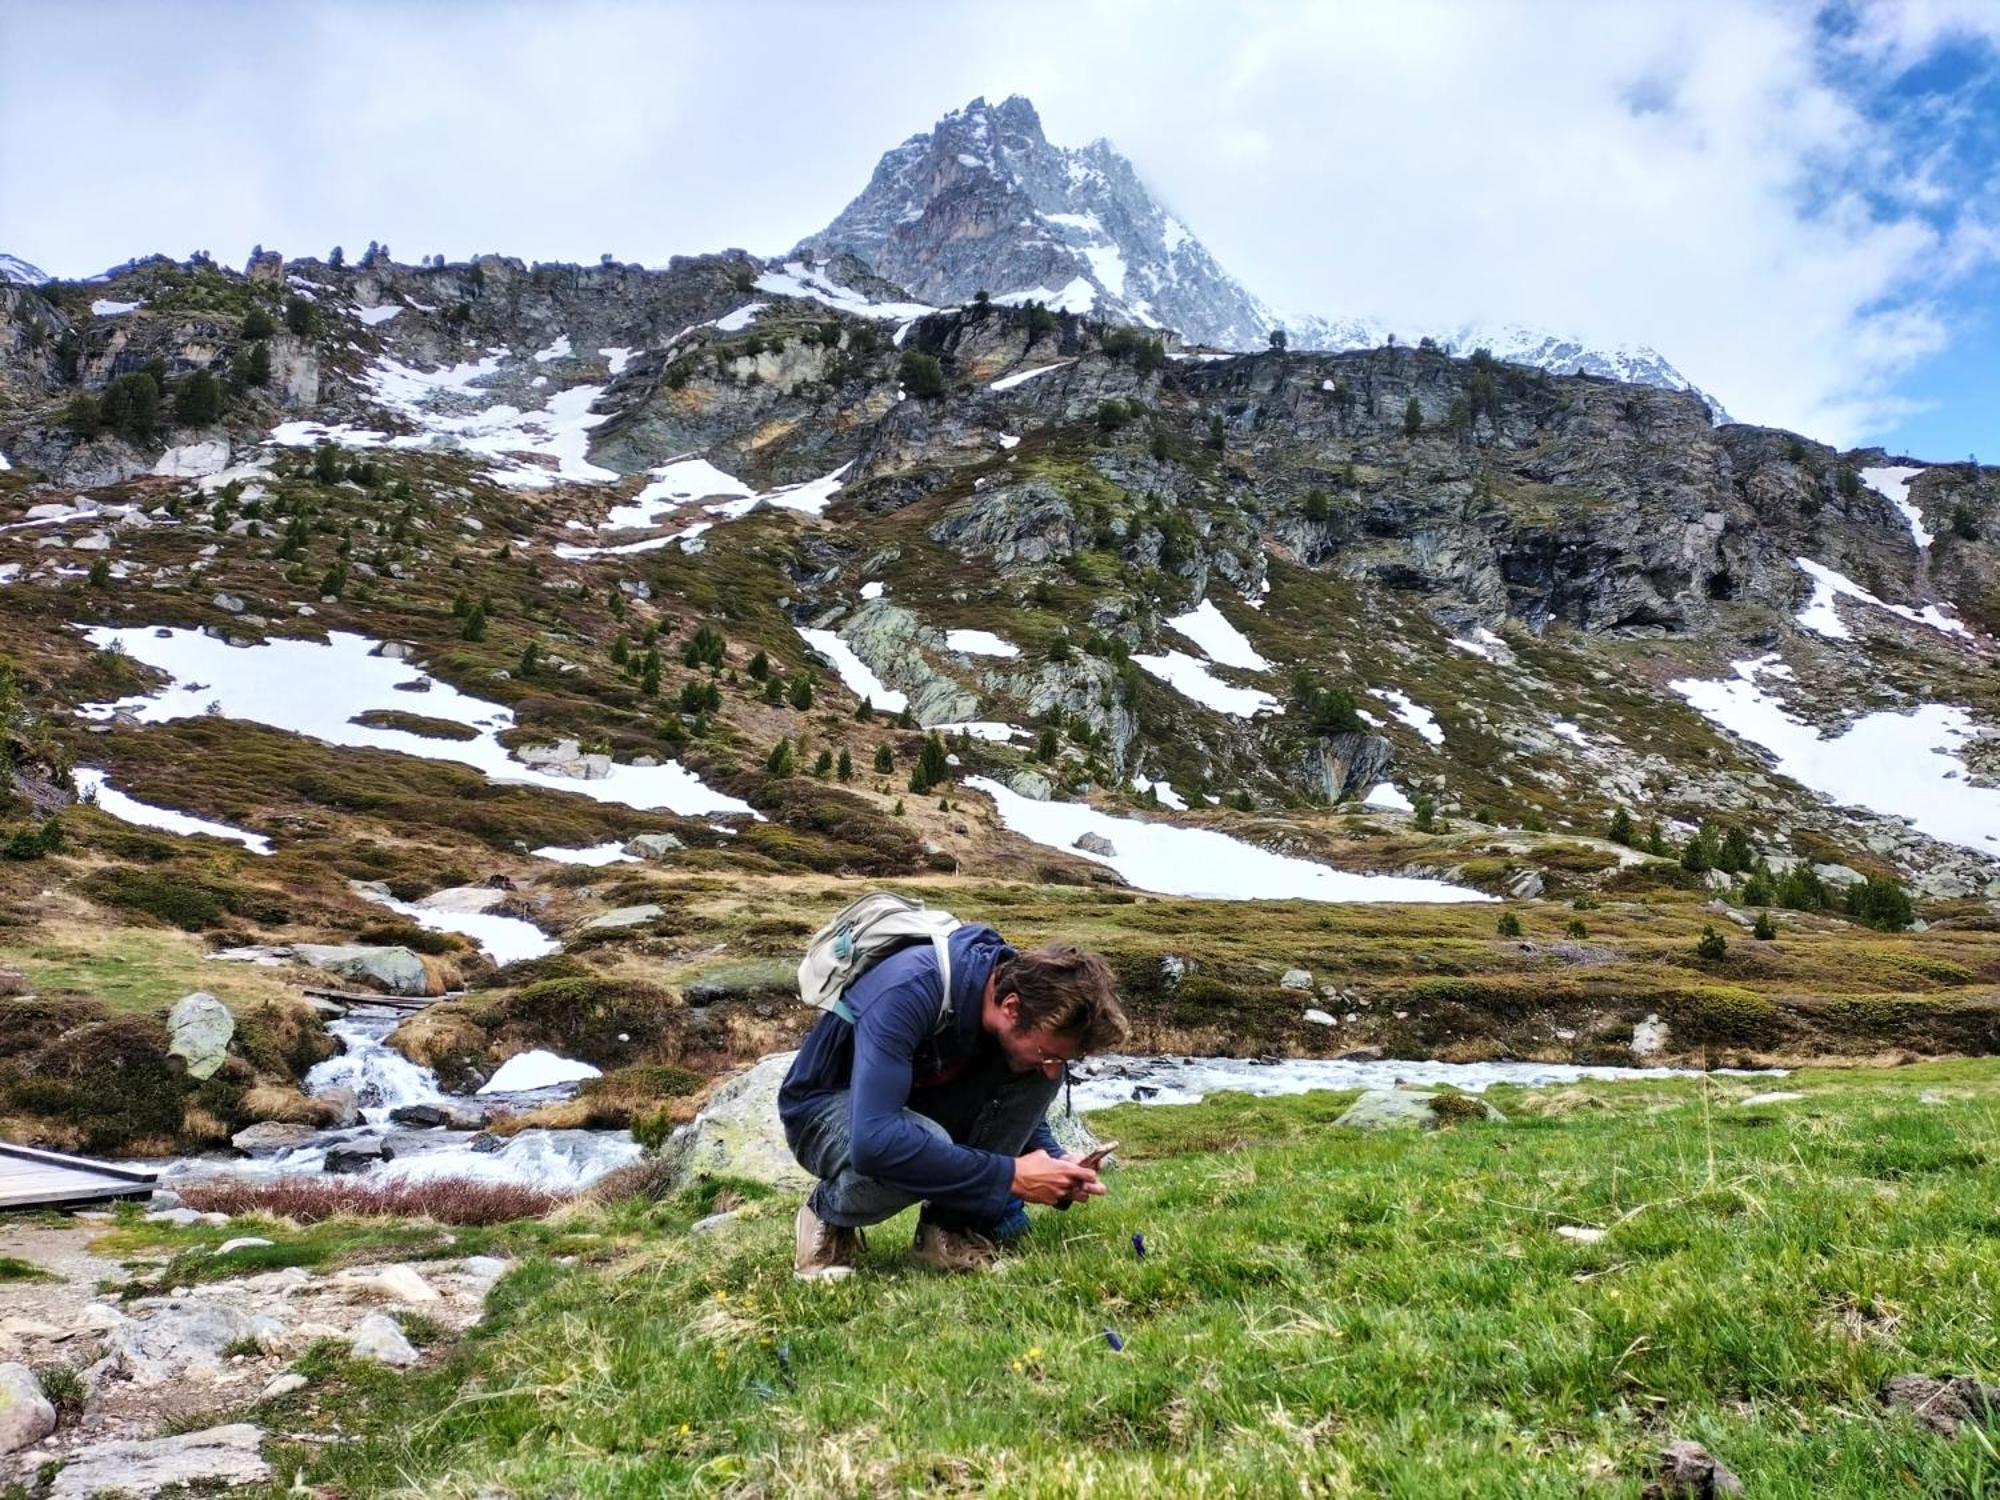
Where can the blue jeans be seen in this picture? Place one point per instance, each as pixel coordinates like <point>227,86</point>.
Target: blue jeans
<point>1000,1121</point>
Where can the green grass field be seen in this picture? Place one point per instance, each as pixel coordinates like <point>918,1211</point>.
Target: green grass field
<point>1318,1313</point>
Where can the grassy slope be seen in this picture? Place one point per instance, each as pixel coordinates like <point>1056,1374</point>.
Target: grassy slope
<point>1319,1313</point>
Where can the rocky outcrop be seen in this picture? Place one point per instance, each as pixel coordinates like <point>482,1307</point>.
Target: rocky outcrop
<point>395,969</point>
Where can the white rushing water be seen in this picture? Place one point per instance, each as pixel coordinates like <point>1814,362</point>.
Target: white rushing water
<point>381,1077</point>
<point>317,690</point>
<point>384,1080</point>
<point>1104,1081</point>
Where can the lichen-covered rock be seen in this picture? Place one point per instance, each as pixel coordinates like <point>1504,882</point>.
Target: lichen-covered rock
<point>26,1414</point>
<point>1689,1471</point>
<point>653,845</point>
<point>199,1027</point>
<point>1414,1109</point>
<point>624,916</point>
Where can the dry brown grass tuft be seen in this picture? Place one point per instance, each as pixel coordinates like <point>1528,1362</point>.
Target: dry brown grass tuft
<point>307,1200</point>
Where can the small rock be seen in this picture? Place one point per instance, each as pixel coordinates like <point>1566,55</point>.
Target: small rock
<point>1318,1017</point>
<point>712,1222</point>
<point>32,1328</point>
<point>1095,843</point>
<point>228,602</point>
<point>404,1284</point>
<point>163,1199</point>
<point>653,845</point>
<point>26,1415</point>
<point>1583,1234</point>
<point>283,1385</point>
<point>241,1242</point>
<point>1360,1054</point>
<point>1296,979</point>
<point>217,1455</point>
<point>1526,885</point>
<point>1689,1471</point>
<point>624,916</point>
<point>180,1218</point>
<point>485,1267</point>
<point>357,1156</point>
<point>1774,1096</point>
<point>378,1338</point>
<point>422,1116</point>
<point>269,1137</point>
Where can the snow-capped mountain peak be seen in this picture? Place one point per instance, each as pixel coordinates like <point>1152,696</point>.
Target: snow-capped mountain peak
<point>983,202</point>
<point>18,271</point>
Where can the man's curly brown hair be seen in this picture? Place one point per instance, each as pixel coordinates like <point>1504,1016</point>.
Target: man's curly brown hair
<point>1065,990</point>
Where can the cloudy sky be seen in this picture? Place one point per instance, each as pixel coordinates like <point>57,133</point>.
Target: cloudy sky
<point>1798,203</point>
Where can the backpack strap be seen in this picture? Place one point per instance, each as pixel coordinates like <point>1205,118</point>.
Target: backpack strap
<point>940,945</point>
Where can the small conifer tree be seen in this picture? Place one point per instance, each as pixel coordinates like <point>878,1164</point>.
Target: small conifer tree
<point>844,767</point>
<point>1509,925</point>
<point>1711,946</point>
<point>1413,418</point>
<point>885,760</point>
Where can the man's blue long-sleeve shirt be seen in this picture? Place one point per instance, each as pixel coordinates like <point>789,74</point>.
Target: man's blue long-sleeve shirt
<point>895,1048</point>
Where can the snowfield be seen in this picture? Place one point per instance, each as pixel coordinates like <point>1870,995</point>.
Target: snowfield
<point>1893,485</point>
<point>1415,715</point>
<point>93,787</point>
<point>854,672</point>
<point>979,643</point>
<point>1192,679</point>
<point>1905,765</point>
<point>1820,616</point>
<point>313,689</point>
<point>1220,641</point>
<point>1200,861</point>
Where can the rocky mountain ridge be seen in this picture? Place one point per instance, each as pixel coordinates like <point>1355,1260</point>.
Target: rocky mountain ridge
<point>983,201</point>
<point>1479,534</point>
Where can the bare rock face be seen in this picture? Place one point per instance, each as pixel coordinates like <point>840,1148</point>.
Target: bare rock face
<point>221,1456</point>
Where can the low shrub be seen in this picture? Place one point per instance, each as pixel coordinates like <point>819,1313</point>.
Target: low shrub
<point>308,1200</point>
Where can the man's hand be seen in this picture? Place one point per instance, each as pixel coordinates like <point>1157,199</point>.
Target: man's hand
<point>1042,1178</point>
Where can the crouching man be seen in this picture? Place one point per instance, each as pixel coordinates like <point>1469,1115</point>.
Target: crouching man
<point>918,1096</point>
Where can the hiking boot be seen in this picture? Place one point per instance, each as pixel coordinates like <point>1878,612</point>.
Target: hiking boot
<point>959,1250</point>
<point>822,1251</point>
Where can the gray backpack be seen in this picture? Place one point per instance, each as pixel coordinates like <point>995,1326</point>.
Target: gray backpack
<point>864,933</point>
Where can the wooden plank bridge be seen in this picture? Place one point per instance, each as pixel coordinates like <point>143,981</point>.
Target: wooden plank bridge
<point>34,1178</point>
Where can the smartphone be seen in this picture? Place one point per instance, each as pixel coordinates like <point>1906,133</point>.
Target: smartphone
<point>1095,1159</point>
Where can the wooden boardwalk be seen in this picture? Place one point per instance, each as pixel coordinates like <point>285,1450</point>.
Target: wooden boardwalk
<point>33,1178</point>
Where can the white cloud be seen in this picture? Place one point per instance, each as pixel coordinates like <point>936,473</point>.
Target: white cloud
<point>1701,177</point>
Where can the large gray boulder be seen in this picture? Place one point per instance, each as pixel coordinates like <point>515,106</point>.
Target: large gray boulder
<point>181,1342</point>
<point>217,1455</point>
<point>1414,1109</point>
<point>26,1415</point>
<point>200,1027</point>
<point>395,969</point>
<point>737,1133</point>
<point>653,845</point>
